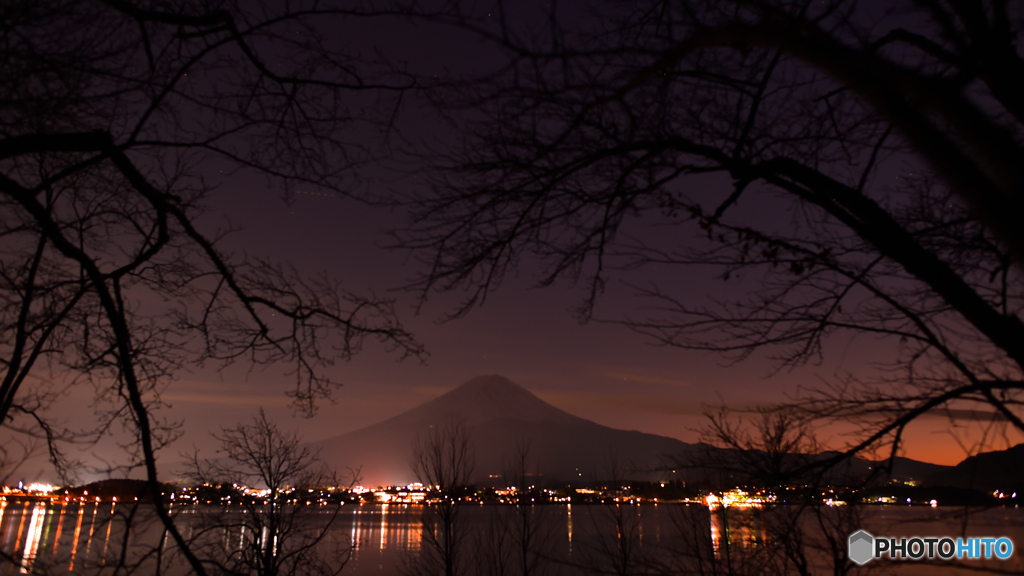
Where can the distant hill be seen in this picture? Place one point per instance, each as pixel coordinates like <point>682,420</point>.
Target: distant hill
<point>707,464</point>
<point>500,414</point>
<point>998,470</point>
<point>123,488</point>
<point>903,469</point>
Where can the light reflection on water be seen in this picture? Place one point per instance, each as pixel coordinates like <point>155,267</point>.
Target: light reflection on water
<point>86,537</point>
<point>739,526</point>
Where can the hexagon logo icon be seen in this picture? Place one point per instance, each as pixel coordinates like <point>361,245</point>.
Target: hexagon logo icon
<point>861,544</point>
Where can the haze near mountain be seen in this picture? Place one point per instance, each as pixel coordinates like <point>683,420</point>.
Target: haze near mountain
<point>500,414</point>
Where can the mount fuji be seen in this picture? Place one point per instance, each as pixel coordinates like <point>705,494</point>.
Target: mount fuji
<point>501,415</point>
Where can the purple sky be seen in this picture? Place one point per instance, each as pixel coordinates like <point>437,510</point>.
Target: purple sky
<point>599,371</point>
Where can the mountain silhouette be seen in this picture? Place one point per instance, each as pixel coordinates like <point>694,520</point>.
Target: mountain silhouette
<point>999,470</point>
<point>500,416</point>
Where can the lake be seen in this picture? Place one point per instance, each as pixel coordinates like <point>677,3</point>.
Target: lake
<point>384,539</point>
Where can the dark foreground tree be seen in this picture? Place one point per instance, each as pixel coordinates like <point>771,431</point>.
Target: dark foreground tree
<point>529,521</point>
<point>443,461</point>
<point>806,529</point>
<point>117,119</point>
<point>851,168</point>
<point>519,537</point>
<point>285,527</point>
<point>616,545</point>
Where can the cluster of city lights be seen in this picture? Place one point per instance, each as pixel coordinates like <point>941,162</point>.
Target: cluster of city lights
<point>737,498</point>
<point>418,493</point>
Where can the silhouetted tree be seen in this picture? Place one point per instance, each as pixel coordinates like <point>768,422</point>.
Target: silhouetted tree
<point>282,531</point>
<point>443,461</point>
<point>529,520</point>
<point>858,165</point>
<point>518,539</point>
<point>616,546</point>
<point>768,448</point>
<point>118,118</point>
<point>494,548</point>
<point>801,533</point>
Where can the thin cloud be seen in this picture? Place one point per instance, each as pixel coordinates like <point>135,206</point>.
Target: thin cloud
<point>646,379</point>
<point>276,400</point>
<point>618,402</point>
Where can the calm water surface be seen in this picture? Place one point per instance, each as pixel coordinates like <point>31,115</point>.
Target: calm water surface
<point>575,539</point>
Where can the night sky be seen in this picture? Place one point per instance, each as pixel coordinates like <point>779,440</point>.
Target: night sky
<point>599,370</point>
